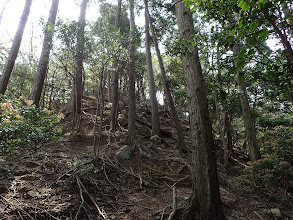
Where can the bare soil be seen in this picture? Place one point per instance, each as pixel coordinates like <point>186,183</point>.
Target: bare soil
<point>63,181</point>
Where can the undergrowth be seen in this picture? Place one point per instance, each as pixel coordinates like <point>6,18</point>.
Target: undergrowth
<point>276,166</point>
<point>23,126</point>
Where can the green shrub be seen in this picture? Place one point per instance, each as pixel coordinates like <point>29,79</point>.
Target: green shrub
<point>267,121</point>
<point>270,171</point>
<point>276,167</point>
<point>24,125</point>
<point>279,143</point>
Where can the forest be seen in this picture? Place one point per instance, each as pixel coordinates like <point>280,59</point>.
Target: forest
<point>154,109</point>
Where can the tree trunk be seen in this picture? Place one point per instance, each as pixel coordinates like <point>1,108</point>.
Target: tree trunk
<point>115,88</point>
<point>205,200</point>
<point>282,34</point>
<point>44,93</point>
<point>181,146</point>
<point>153,97</point>
<point>2,10</point>
<point>250,132</point>
<point>109,89</point>
<point>229,132</point>
<point>77,90</point>
<point>14,48</point>
<point>221,122</point>
<point>51,86</point>
<point>44,59</point>
<point>131,86</point>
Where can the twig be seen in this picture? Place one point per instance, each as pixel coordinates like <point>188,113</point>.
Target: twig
<point>81,196</point>
<point>109,180</point>
<point>60,177</point>
<point>80,184</point>
<point>19,215</point>
<point>257,214</point>
<point>11,204</point>
<point>122,170</point>
<point>184,178</point>
<point>163,212</point>
<point>174,206</point>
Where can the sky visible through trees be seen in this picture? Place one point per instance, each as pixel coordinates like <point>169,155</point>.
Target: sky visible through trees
<point>68,9</point>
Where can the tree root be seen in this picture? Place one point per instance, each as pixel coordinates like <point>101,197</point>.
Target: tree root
<point>174,206</point>
<point>82,190</point>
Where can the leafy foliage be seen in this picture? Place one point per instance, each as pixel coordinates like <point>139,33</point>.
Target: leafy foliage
<point>276,167</point>
<point>81,166</point>
<point>279,143</point>
<point>24,125</point>
<point>267,121</point>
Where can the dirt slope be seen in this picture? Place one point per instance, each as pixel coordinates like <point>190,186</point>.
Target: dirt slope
<point>62,181</point>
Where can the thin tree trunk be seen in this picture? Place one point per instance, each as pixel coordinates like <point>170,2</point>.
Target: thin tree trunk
<point>250,131</point>
<point>181,146</point>
<point>44,59</point>
<point>131,86</point>
<point>229,132</point>
<point>77,90</point>
<point>14,48</point>
<point>115,88</point>
<point>3,9</point>
<point>51,91</point>
<point>282,35</point>
<point>99,110</point>
<point>109,89</point>
<point>221,122</point>
<point>44,93</point>
<point>205,200</point>
<point>152,88</point>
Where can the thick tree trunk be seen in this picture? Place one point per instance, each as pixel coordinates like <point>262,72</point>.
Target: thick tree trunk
<point>115,88</point>
<point>14,48</point>
<point>205,201</point>
<point>77,90</point>
<point>181,142</point>
<point>250,131</point>
<point>131,82</point>
<point>44,59</point>
<point>153,97</point>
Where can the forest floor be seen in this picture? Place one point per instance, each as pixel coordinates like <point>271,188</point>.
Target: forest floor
<point>62,181</point>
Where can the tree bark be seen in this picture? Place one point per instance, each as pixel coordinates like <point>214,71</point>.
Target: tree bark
<point>205,200</point>
<point>181,146</point>
<point>131,82</point>
<point>77,90</point>
<point>14,48</point>
<point>222,126</point>
<point>250,131</point>
<point>115,88</point>
<point>152,88</point>
<point>44,59</point>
